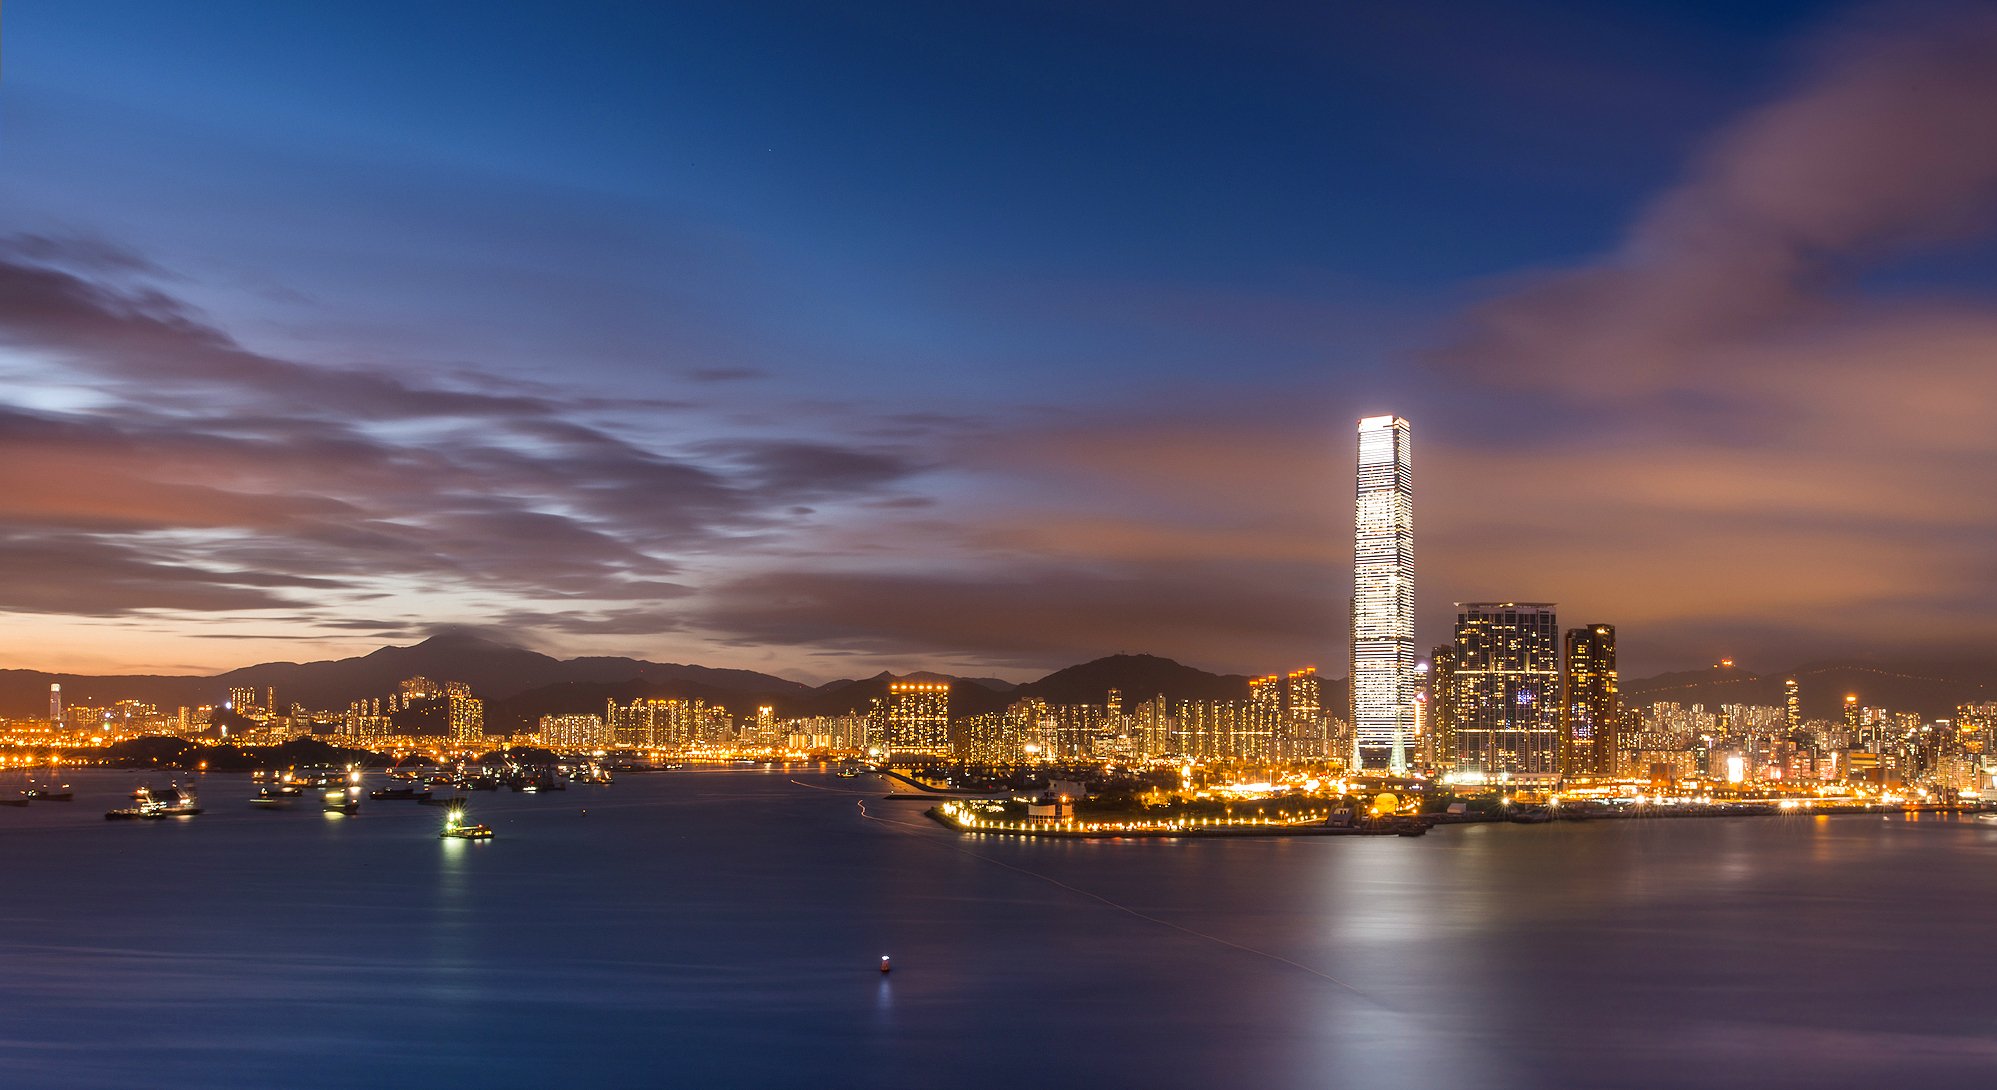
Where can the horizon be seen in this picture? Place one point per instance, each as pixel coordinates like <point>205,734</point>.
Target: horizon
<point>990,340</point>
<point>1748,670</point>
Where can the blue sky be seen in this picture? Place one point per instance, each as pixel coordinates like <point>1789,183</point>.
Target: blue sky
<point>849,336</point>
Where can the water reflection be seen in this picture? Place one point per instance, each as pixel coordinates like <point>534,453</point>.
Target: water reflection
<point>726,927</point>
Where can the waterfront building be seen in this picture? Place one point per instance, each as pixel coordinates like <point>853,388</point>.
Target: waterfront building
<point>1265,707</point>
<point>1441,706</point>
<point>573,732</point>
<point>917,718</point>
<point>997,738</point>
<point>1303,716</point>
<point>1505,700</point>
<point>1383,596</point>
<point>1591,703</point>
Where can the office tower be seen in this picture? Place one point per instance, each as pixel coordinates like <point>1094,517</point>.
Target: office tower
<point>1851,711</point>
<point>1591,708</point>
<point>918,718</point>
<point>1792,704</point>
<point>55,705</point>
<point>243,701</point>
<point>1505,715</point>
<point>1383,597</point>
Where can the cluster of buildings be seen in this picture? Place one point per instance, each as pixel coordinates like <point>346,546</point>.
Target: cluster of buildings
<point>414,712</point>
<point>1513,699</point>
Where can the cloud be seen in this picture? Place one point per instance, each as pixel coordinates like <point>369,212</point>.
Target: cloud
<point>191,473</point>
<point>1882,149</point>
<point>1039,615</point>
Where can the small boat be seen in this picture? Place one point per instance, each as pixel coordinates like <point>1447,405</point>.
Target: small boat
<point>343,800</point>
<point>14,800</point>
<point>392,793</point>
<point>271,798</point>
<point>457,828</point>
<point>50,793</point>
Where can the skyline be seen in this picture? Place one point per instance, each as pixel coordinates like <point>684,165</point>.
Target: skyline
<point>995,340</point>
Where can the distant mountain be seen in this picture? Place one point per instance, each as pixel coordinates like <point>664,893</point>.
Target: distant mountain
<point>494,670</point>
<point>967,697</point>
<point>1932,688</point>
<point>1138,677</point>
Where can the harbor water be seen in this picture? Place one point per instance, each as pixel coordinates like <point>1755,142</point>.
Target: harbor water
<point>725,927</point>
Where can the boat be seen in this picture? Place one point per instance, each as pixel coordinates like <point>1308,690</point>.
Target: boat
<point>393,793</point>
<point>271,798</point>
<point>174,801</point>
<point>49,793</point>
<point>343,800</point>
<point>14,800</point>
<point>457,828</point>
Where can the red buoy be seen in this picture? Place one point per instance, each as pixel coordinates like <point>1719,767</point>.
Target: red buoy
<point>885,967</point>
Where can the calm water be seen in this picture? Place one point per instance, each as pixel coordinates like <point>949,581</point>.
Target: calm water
<point>723,928</point>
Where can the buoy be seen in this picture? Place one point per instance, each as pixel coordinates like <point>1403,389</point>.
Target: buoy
<point>885,967</point>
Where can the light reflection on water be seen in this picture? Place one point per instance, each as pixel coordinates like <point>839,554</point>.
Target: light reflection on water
<point>728,926</point>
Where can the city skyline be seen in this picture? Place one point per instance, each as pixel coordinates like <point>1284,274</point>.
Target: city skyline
<point>636,357</point>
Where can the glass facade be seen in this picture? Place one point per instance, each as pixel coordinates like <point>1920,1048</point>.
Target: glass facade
<point>1383,597</point>
<point>1505,712</point>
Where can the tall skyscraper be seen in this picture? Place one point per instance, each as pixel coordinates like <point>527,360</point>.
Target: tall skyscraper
<point>1592,705</point>
<point>1792,705</point>
<point>1505,715</point>
<point>55,704</point>
<point>1383,597</point>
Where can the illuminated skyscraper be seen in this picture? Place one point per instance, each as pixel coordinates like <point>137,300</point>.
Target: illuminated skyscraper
<point>55,705</point>
<point>1383,597</point>
<point>1592,705</point>
<point>1792,705</point>
<point>1505,715</point>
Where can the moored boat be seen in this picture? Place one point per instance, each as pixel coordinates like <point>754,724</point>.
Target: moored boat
<point>154,805</point>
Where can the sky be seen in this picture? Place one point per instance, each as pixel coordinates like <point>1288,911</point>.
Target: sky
<point>830,338</point>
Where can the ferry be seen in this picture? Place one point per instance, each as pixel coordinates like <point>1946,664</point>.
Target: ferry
<point>174,801</point>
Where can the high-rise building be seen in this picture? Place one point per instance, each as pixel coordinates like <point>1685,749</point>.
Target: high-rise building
<point>1792,705</point>
<point>467,717</point>
<point>1303,713</point>
<point>918,718</point>
<point>1591,706</point>
<point>243,701</point>
<point>1505,711</point>
<point>55,704</point>
<point>1383,597</point>
<point>1441,706</point>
